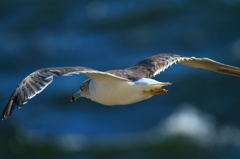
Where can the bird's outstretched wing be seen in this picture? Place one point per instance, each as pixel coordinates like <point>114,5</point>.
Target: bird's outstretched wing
<point>40,79</point>
<point>154,65</point>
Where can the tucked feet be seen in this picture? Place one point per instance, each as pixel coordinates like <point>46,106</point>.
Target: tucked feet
<point>156,91</point>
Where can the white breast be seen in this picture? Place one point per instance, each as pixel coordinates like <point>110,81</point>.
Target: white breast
<point>117,92</point>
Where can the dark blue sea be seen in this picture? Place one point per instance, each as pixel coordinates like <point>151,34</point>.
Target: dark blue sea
<point>198,118</point>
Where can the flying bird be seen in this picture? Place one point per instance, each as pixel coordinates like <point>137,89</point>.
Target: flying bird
<point>114,87</point>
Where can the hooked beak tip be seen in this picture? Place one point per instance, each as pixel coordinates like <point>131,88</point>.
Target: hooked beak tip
<point>75,96</point>
<point>72,99</point>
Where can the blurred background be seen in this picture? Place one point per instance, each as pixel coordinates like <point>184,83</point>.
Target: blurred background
<point>199,117</point>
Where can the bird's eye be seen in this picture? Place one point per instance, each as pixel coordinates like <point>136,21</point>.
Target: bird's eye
<point>81,87</point>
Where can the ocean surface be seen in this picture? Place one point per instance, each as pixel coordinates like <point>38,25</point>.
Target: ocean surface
<point>110,34</point>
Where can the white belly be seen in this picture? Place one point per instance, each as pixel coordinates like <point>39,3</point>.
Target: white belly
<point>118,93</point>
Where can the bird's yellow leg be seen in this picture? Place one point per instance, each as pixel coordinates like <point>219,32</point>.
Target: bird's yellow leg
<point>156,91</point>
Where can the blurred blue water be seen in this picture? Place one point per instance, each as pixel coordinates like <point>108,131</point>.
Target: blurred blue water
<point>113,35</point>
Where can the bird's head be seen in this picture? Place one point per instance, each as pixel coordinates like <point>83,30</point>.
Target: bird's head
<point>83,91</point>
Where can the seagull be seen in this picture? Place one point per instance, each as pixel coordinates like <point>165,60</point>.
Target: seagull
<point>114,87</point>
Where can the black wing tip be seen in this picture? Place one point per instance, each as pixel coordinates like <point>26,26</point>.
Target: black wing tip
<point>6,113</point>
<point>4,116</point>
<point>9,107</point>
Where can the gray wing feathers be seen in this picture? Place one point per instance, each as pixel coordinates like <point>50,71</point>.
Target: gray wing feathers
<point>35,83</point>
<point>154,65</point>
<point>211,65</point>
<point>158,63</point>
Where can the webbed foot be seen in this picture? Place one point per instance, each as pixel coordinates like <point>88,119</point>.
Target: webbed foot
<point>156,91</point>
